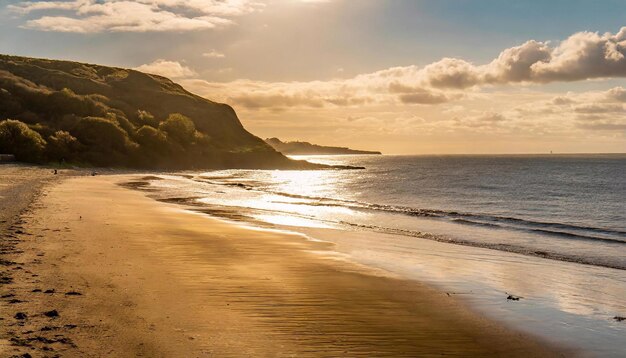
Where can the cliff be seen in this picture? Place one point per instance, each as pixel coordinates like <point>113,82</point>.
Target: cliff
<point>62,111</point>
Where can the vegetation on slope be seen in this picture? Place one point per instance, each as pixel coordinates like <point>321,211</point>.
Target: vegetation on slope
<point>61,111</point>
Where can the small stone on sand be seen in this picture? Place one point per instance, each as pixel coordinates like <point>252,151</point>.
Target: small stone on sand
<point>51,314</point>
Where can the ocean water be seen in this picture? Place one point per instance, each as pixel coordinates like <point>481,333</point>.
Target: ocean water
<point>549,228</point>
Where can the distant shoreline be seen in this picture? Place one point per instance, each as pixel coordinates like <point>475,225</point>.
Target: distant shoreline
<point>306,148</point>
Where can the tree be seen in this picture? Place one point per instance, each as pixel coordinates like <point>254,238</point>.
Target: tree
<point>101,133</point>
<point>152,140</point>
<point>119,117</point>
<point>179,128</point>
<point>16,138</point>
<point>62,146</point>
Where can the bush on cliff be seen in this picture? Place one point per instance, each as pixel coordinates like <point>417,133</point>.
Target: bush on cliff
<point>16,138</point>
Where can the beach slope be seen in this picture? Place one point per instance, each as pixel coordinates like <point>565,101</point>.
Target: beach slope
<point>129,276</point>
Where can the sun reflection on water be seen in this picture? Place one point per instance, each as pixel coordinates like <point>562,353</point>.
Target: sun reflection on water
<point>310,183</point>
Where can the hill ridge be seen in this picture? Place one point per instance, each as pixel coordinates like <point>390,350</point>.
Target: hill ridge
<point>66,111</point>
<point>306,148</point>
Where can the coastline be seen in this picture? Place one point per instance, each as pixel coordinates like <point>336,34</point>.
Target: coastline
<point>152,279</point>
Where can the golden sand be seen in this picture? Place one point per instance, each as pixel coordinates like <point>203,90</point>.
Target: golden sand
<point>158,281</point>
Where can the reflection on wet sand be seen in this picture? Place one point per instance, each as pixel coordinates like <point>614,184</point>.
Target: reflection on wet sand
<point>567,302</point>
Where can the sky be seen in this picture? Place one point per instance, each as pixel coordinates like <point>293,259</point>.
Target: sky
<point>400,76</point>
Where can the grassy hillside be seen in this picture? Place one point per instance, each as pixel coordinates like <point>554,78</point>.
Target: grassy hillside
<point>61,111</point>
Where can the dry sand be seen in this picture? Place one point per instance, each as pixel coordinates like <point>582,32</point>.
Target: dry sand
<point>150,279</point>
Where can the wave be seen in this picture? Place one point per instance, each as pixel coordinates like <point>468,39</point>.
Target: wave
<point>547,254</point>
<point>498,222</point>
<point>555,229</point>
<point>492,221</point>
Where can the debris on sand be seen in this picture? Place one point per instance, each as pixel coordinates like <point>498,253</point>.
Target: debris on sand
<point>73,293</point>
<point>619,318</point>
<point>513,297</point>
<point>51,314</point>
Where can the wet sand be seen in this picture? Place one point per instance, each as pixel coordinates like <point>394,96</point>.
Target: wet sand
<point>19,185</point>
<point>129,276</point>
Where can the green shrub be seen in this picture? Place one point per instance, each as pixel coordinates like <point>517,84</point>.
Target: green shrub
<point>179,128</point>
<point>62,146</point>
<point>119,117</point>
<point>16,138</point>
<point>152,139</point>
<point>146,118</point>
<point>101,133</point>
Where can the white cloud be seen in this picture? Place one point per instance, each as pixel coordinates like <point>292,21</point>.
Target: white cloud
<point>582,56</point>
<point>92,16</point>
<point>616,94</point>
<point>169,69</point>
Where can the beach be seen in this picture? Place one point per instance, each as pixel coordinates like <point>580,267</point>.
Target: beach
<point>126,275</point>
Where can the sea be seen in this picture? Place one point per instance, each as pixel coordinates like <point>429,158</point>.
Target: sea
<point>537,242</point>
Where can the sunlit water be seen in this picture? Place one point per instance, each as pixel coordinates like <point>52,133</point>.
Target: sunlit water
<point>551,229</point>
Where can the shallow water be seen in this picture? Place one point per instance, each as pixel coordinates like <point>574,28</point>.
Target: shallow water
<point>551,229</point>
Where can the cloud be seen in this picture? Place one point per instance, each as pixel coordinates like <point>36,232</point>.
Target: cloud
<point>281,95</point>
<point>424,97</point>
<point>169,69</point>
<point>367,89</point>
<point>616,94</point>
<point>276,101</point>
<point>213,54</point>
<point>596,108</point>
<point>562,100</point>
<point>439,83</point>
<point>621,127</point>
<point>451,73</point>
<point>93,16</point>
<point>582,56</point>
<point>585,55</point>
<point>480,120</point>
